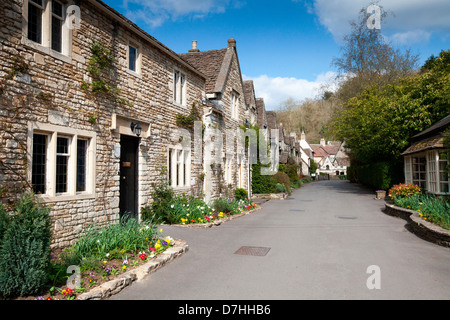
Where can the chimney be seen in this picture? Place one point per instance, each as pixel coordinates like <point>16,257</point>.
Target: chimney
<point>303,136</point>
<point>231,42</point>
<point>194,46</point>
<point>322,142</point>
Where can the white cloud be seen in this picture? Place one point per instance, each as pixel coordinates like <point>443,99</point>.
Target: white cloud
<point>156,12</point>
<point>410,37</point>
<point>407,18</point>
<point>278,89</point>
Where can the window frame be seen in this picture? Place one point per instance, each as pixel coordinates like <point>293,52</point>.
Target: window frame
<point>179,167</point>
<point>137,60</point>
<point>53,132</point>
<point>179,87</point>
<point>45,45</point>
<point>235,103</point>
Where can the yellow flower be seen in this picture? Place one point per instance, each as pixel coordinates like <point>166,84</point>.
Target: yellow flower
<point>157,246</point>
<point>160,230</point>
<point>124,267</point>
<point>104,261</point>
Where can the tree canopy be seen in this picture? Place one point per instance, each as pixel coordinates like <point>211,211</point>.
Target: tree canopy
<point>378,122</point>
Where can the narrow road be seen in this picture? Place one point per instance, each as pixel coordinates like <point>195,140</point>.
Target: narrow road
<point>322,240</point>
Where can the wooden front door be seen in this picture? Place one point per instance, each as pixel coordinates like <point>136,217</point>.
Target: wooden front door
<point>129,175</point>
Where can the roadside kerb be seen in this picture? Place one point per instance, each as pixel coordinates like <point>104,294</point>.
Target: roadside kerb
<point>420,227</point>
<point>112,287</point>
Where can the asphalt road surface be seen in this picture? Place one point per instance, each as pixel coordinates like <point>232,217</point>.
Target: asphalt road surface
<point>328,240</point>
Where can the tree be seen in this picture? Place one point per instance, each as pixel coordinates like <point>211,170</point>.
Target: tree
<point>367,59</point>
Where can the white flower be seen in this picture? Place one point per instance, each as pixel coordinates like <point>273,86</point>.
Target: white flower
<point>172,206</point>
<point>107,255</point>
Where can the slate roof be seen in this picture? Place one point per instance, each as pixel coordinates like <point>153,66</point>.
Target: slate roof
<point>271,119</point>
<point>261,111</point>
<point>435,142</point>
<point>208,63</point>
<point>430,138</point>
<point>249,93</point>
<point>137,30</point>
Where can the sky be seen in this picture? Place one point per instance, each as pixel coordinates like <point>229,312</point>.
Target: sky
<point>286,47</point>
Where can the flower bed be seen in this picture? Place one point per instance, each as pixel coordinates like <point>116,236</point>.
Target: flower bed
<point>213,215</point>
<point>102,255</point>
<point>429,207</point>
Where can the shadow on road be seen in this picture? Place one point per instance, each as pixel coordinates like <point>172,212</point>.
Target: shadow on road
<point>345,186</point>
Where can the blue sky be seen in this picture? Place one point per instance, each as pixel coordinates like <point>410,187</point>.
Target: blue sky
<point>286,46</point>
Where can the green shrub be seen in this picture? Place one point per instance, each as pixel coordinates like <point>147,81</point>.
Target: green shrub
<point>222,205</point>
<point>262,184</point>
<point>159,210</point>
<point>283,178</point>
<point>280,187</point>
<point>25,248</point>
<point>240,194</point>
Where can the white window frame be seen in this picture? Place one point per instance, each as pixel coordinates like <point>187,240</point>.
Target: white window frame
<point>228,168</point>
<point>235,105</point>
<point>45,46</point>
<point>442,171</point>
<point>180,163</point>
<point>138,61</point>
<point>433,171</point>
<point>53,132</point>
<point>179,88</point>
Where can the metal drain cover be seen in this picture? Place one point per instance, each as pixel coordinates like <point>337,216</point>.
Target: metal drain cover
<point>347,218</point>
<point>252,251</point>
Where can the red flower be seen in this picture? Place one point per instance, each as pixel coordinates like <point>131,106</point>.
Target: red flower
<point>143,256</point>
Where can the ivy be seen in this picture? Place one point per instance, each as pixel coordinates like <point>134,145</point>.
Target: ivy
<point>188,121</point>
<point>19,65</point>
<point>100,68</point>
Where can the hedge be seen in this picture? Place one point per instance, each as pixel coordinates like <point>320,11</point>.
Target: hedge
<point>379,175</point>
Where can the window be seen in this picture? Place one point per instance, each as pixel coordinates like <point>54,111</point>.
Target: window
<point>57,23</point>
<point>444,179</point>
<point>432,166</point>
<point>419,172</point>
<point>47,27</point>
<point>132,58</point>
<point>228,162</point>
<point>178,164</point>
<point>35,12</point>
<point>81,164</point>
<point>62,161</point>
<point>235,105</point>
<point>179,88</point>
<point>39,163</point>
<point>408,170</point>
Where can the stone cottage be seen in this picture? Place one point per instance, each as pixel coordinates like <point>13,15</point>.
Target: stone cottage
<point>88,100</point>
<point>225,163</point>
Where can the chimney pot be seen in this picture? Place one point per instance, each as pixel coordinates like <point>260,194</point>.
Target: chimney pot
<point>194,46</point>
<point>231,42</point>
